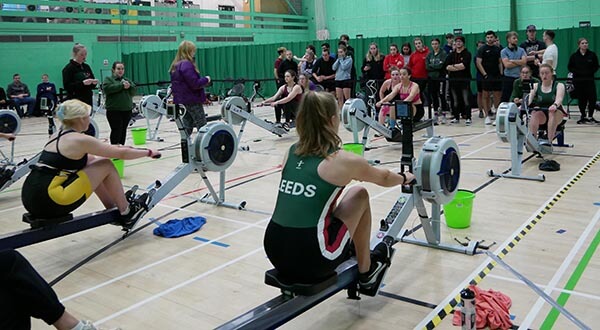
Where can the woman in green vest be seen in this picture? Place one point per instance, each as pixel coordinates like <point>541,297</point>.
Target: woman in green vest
<point>308,235</point>
<point>548,96</point>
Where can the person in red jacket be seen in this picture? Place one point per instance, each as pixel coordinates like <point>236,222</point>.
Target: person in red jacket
<point>393,59</point>
<point>416,64</point>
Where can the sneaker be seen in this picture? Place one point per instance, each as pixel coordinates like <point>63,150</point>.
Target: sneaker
<point>468,122</point>
<point>137,209</point>
<point>583,120</point>
<point>592,120</point>
<point>454,121</point>
<point>435,120</point>
<point>481,114</point>
<point>494,122</point>
<point>488,120</point>
<point>380,261</point>
<point>443,120</point>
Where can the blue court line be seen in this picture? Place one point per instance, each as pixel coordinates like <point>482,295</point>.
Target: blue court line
<point>597,203</point>
<point>201,239</point>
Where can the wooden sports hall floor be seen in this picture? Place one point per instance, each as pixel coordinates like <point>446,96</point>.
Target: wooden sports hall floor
<point>202,280</point>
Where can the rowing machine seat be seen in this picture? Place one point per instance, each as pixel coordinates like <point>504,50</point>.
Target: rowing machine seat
<point>42,222</point>
<point>273,278</point>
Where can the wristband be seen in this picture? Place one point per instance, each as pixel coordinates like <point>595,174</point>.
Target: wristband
<point>149,152</point>
<point>403,177</point>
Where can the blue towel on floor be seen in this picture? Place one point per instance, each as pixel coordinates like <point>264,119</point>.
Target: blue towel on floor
<point>179,227</point>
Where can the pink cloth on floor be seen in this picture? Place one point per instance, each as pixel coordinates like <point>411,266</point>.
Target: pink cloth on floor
<point>492,309</point>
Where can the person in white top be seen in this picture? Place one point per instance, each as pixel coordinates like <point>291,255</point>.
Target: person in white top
<point>550,54</point>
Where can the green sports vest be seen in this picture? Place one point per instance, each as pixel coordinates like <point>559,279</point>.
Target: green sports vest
<point>304,199</point>
<point>545,100</point>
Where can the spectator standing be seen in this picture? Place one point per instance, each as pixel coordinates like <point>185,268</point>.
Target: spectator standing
<point>458,66</point>
<point>372,67</point>
<point>78,78</point>
<point>119,92</point>
<point>584,64</point>
<point>281,52</point>
<point>343,81</point>
<point>188,85</point>
<point>550,54</point>
<point>406,52</point>
<point>393,59</point>
<point>18,92</point>
<point>350,52</point>
<point>287,63</point>
<point>45,89</point>
<point>479,81</point>
<point>490,66</point>
<point>513,59</point>
<point>323,72</point>
<point>449,42</point>
<point>434,63</point>
<point>531,47</point>
<point>416,64</point>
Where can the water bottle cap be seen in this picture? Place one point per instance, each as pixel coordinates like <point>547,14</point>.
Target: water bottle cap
<point>467,294</point>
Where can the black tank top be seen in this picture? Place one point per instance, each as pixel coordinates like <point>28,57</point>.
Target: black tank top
<point>57,160</point>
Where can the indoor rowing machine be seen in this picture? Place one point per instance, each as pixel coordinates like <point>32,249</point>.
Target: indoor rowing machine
<point>236,111</point>
<point>155,107</point>
<point>437,174</point>
<point>10,123</point>
<point>356,118</point>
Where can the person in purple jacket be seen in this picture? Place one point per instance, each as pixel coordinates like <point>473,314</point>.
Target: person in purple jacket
<point>188,85</point>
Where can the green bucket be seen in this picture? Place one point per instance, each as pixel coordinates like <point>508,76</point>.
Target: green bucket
<point>458,211</point>
<point>120,166</point>
<point>139,135</point>
<point>357,148</point>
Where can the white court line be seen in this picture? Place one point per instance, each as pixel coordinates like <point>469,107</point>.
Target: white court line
<point>487,260</point>
<point>209,215</point>
<point>173,288</point>
<point>534,311</point>
<point>541,286</point>
<point>158,262</point>
<point>11,208</point>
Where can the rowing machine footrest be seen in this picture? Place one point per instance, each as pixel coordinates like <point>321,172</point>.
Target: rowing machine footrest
<point>422,124</point>
<point>42,222</point>
<point>273,278</point>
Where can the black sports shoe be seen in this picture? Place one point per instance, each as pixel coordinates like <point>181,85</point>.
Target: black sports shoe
<point>371,279</point>
<point>380,260</point>
<point>583,120</point>
<point>137,209</point>
<point>592,120</point>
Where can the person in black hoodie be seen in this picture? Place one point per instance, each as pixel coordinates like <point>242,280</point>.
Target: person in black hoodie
<point>45,89</point>
<point>78,78</point>
<point>584,64</point>
<point>372,67</point>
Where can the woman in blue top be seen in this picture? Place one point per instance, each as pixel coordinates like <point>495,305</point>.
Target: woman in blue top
<point>312,222</point>
<point>343,80</point>
<point>188,85</point>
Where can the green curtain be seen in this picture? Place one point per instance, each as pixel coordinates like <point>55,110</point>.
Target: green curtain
<point>252,62</point>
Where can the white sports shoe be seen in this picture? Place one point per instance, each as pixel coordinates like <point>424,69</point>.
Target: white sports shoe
<point>488,120</point>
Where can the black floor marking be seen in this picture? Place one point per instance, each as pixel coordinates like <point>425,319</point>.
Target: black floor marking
<point>406,299</point>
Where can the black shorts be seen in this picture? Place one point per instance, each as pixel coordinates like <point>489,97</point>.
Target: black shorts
<point>297,255</point>
<point>49,193</point>
<point>328,85</point>
<point>419,113</point>
<point>492,84</point>
<point>344,83</point>
<point>479,86</point>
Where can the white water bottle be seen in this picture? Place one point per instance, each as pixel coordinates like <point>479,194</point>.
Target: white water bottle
<point>467,313</point>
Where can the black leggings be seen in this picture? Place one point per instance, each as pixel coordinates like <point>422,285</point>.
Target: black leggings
<point>586,95</point>
<point>118,121</point>
<point>24,294</point>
